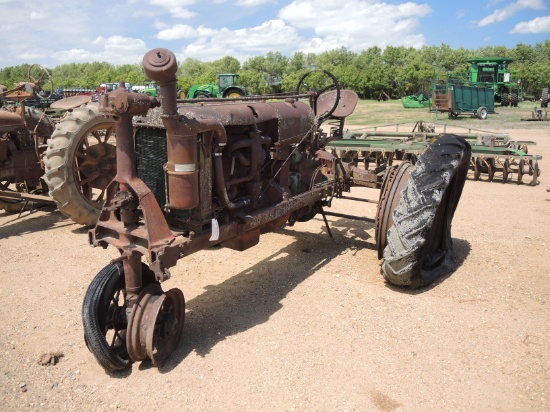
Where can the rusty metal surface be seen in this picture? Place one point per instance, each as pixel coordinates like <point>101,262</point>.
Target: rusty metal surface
<point>71,102</point>
<point>155,324</point>
<point>346,104</point>
<point>136,333</point>
<point>10,120</point>
<point>289,121</point>
<point>7,194</point>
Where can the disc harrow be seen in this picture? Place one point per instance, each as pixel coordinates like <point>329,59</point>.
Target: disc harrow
<point>495,157</point>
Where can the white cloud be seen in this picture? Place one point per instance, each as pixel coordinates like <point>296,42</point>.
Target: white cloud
<point>177,8</point>
<point>359,24</point>
<point>210,44</point>
<point>537,25</point>
<point>251,3</point>
<point>179,31</point>
<point>115,50</point>
<point>509,10</point>
<point>37,16</point>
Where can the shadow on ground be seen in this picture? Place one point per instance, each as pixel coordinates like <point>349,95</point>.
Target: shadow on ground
<point>33,222</point>
<point>252,296</point>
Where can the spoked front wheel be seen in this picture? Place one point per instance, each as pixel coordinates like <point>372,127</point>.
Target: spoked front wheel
<point>104,316</point>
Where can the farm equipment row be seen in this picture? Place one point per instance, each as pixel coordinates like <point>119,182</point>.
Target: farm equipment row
<point>495,157</point>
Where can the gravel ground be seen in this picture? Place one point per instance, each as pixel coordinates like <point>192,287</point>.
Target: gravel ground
<point>300,322</point>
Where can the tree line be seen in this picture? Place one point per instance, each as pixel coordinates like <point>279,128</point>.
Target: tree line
<point>397,70</point>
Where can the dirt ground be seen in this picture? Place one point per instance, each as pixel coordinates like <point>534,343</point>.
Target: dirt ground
<point>300,322</point>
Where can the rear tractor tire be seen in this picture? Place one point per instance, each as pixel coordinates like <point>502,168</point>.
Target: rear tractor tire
<point>418,247</point>
<point>80,163</point>
<point>233,93</point>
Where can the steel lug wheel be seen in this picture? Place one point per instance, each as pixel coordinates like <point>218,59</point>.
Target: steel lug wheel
<point>137,330</point>
<point>165,328</point>
<point>155,324</point>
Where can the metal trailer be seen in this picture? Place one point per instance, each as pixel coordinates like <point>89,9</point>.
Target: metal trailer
<point>457,99</point>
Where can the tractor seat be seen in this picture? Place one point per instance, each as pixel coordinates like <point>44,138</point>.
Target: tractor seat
<point>346,105</point>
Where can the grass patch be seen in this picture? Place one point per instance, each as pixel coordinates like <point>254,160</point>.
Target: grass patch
<point>370,113</point>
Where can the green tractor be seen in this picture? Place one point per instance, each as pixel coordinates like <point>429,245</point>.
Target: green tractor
<point>227,86</point>
<point>493,72</point>
<point>152,89</point>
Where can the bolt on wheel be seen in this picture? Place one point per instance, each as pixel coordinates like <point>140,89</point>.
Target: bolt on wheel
<point>155,324</point>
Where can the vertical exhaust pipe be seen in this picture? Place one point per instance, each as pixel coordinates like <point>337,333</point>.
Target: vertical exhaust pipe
<point>182,144</point>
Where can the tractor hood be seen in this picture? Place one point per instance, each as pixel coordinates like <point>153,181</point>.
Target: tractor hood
<point>293,120</point>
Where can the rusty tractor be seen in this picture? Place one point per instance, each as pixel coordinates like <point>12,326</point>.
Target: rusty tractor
<point>63,155</point>
<point>193,176</point>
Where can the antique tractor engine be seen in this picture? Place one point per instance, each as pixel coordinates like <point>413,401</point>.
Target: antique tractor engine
<point>191,176</point>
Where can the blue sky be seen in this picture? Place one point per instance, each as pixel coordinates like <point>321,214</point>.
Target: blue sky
<point>58,32</point>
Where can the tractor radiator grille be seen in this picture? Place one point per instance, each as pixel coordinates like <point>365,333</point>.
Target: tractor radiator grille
<point>151,155</point>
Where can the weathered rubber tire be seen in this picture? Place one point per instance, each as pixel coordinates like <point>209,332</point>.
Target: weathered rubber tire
<point>419,244</point>
<point>514,99</point>
<point>100,311</point>
<point>64,179</point>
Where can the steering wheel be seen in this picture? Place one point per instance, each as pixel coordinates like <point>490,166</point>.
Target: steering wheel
<point>42,80</point>
<point>322,81</point>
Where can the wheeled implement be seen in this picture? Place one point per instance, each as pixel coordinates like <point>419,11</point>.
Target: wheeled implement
<point>495,156</point>
<point>455,100</point>
<point>198,175</point>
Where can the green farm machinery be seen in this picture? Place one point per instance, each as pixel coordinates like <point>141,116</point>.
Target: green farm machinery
<point>227,86</point>
<point>417,100</point>
<point>495,157</point>
<point>492,72</point>
<point>153,89</point>
<point>456,99</point>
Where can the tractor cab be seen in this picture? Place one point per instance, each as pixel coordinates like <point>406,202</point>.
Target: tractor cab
<point>226,80</point>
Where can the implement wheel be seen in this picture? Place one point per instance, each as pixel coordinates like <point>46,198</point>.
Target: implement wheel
<point>104,316</point>
<point>419,244</point>
<point>482,113</point>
